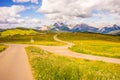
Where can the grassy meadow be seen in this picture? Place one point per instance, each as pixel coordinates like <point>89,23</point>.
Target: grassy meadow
<point>19,36</point>
<point>95,44</point>
<point>49,66</point>
<point>2,47</point>
<point>18,32</point>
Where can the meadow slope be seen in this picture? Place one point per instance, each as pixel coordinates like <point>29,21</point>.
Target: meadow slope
<point>95,44</point>
<point>19,36</point>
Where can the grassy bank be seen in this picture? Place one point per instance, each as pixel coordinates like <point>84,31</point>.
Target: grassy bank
<point>48,66</point>
<point>25,36</point>
<point>95,44</point>
<point>2,47</point>
<point>42,39</point>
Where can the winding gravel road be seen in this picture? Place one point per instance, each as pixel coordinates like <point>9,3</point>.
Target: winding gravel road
<point>63,50</point>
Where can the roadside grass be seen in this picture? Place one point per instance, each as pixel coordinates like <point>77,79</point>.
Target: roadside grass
<point>49,66</point>
<point>24,37</point>
<point>95,44</point>
<point>2,47</point>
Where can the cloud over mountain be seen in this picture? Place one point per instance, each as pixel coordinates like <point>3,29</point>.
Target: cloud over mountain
<point>67,9</point>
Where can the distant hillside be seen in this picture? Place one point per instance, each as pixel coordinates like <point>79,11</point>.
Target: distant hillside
<point>116,32</point>
<point>1,30</point>
<point>84,28</point>
<point>61,27</point>
<point>13,32</point>
<point>108,29</point>
<point>75,28</point>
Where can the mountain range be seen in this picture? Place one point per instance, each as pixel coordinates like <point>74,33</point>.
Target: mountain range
<point>108,29</point>
<point>116,32</point>
<point>62,27</point>
<point>85,28</point>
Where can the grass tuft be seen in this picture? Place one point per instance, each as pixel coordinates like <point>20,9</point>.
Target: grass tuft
<point>2,47</point>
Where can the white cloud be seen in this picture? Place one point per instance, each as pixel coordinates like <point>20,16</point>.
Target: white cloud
<point>21,22</point>
<point>34,1</point>
<point>112,6</point>
<point>68,11</point>
<point>22,1</point>
<point>2,20</point>
<point>71,10</point>
<point>9,14</point>
<point>9,17</point>
<point>68,8</point>
<point>11,11</point>
<point>32,20</point>
<point>11,20</point>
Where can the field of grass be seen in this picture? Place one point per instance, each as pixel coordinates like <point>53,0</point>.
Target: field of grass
<point>95,44</point>
<point>18,32</point>
<point>48,66</point>
<point>2,47</point>
<point>25,36</point>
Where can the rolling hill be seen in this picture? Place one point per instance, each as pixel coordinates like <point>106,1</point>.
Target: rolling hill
<point>13,32</point>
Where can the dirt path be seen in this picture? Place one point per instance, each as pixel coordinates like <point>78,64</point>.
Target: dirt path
<point>68,44</point>
<point>14,64</point>
<point>63,50</point>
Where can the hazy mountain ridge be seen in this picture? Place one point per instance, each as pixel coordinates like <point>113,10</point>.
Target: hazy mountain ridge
<point>86,28</point>
<point>116,32</point>
<point>108,29</point>
<point>63,27</point>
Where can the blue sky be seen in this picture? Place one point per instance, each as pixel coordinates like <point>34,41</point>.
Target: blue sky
<point>29,13</point>
<point>25,9</point>
<point>10,3</point>
<point>98,13</point>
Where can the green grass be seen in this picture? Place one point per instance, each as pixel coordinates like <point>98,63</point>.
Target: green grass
<point>18,32</point>
<point>95,44</point>
<point>24,36</point>
<point>2,47</point>
<point>96,47</point>
<point>48,66</point>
